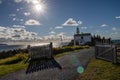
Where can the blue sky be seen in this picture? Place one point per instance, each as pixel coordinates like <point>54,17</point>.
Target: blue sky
<point>21,19</point>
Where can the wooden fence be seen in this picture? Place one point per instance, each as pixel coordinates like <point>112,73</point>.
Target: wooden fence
<point>106,52</point>
<point>118,54</point>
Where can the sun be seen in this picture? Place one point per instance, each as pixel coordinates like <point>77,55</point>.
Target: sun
<point>38,7</point>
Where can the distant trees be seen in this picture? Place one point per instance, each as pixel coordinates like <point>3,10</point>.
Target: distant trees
<point>98,39</point>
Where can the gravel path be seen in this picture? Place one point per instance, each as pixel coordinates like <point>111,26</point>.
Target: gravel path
<point>69,64</point>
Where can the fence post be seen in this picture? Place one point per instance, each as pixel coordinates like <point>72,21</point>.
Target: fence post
<point>51,46</point>
<point>28,48</point>
<point>114,54</point>
<point>96,51</point>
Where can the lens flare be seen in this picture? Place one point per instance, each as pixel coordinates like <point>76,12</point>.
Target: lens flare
<point>80,69</point>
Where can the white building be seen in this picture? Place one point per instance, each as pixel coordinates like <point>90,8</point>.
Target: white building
<point>81,39</point>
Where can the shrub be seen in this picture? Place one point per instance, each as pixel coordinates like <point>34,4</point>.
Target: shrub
<point>5,54</point>
<point>68,48</point>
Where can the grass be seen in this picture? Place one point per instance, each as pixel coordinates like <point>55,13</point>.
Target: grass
<point>16,62</point>
<point>100,70</point>
<point>5,69</point>
<point>12,64</point>
<point>118,58</point>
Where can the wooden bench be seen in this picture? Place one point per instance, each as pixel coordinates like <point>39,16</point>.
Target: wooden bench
<point>41,57</point>
<point>40,52</point>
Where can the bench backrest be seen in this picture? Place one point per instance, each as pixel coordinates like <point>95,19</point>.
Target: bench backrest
<point>44,51</point>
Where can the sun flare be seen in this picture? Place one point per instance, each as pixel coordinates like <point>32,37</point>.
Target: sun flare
<point>39,7</point>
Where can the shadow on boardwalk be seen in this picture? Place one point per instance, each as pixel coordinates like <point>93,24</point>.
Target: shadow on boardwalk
<point>41,64</point>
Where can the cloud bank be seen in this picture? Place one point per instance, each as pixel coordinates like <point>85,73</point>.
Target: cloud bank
<point>17,32</point>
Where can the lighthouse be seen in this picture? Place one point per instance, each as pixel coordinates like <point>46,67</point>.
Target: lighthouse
<point>81,38</point>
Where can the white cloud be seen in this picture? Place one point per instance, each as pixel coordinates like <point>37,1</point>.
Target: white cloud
<point>28,1</point>
<point>61,34</point>
<point>2,28</point>
<point>84,27</point>
<point>18,1</point>
<point>80,22</point>
<point>14,19</point>
<point>52,32</point>
<point>21,19</point>
<point>21,8</point>
<point>57,36</point>
<point>58,27</point>
<point>32,22</point>
<point>18,9</point>
<point>70,22</point>
<point>49,37</point>
<point>117,17</point>
<point>114,29</point>
<point>17,19</point>
<point>33,1</point>
<point>114,33</point>
<point>18,26</point>
<point>107,31</point>
<point>27,13</point>
<point>0,2</point>
<point>97,31</point>
<point>12,15</point>
<point>104,25</point>
<point>64,36</point>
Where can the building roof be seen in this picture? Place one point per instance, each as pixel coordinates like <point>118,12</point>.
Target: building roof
<point>83,34</point>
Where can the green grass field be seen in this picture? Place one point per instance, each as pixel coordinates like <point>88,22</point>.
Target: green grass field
<point>5,69</point>
<point>100,70</point>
